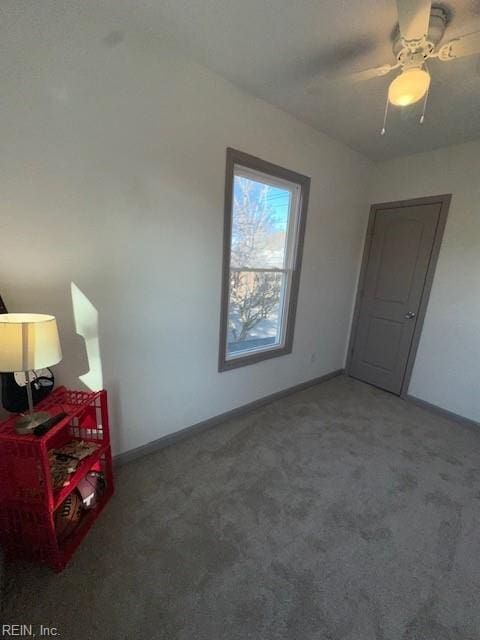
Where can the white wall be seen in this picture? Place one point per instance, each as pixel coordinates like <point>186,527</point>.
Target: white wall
<point>112,165</point>
<point>447,369</point>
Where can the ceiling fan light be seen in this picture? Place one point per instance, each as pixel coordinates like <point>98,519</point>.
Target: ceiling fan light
<point>409,87</point>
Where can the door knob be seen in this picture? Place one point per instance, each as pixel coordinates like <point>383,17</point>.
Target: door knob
<point>410,315</point>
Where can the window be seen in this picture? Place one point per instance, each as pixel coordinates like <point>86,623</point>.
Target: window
<point>265,215</point>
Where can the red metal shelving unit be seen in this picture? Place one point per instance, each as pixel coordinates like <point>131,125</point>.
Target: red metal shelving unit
<point>27,499</point>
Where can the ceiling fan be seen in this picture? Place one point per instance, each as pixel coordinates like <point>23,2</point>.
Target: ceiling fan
<point>421,29</point>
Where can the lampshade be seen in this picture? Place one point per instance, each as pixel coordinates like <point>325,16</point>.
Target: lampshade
<point>409,87</point>
<point>28,341</point>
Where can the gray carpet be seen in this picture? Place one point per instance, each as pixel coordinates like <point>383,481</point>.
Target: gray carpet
<point>341,512</point>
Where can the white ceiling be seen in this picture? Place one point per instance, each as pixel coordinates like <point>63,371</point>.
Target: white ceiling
<point>273,48</point>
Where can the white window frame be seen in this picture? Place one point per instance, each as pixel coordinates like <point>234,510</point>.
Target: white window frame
<point>290,252</point>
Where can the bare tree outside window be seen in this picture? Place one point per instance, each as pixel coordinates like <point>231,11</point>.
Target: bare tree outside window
<point>253,295</point>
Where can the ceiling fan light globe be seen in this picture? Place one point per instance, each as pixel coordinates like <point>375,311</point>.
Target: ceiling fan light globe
<point>409,87</point>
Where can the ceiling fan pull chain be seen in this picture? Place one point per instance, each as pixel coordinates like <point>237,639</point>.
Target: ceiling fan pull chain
<point>422,117</point>
<point>384,130</point>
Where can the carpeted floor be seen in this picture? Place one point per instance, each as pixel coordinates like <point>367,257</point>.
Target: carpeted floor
<point>341,512</point>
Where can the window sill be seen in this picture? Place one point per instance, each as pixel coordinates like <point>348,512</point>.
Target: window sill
<point>253,358</point>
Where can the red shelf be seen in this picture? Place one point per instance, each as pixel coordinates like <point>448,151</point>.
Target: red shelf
<point>81,471</point>
<point>73,403</point>
<point>27,498</point>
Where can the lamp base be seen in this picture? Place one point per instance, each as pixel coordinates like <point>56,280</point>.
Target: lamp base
<point>27,423</point>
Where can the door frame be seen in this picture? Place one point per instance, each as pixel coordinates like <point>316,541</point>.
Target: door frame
<point>444,201</point>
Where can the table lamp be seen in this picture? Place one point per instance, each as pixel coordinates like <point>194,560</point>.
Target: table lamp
<point>28,341</point>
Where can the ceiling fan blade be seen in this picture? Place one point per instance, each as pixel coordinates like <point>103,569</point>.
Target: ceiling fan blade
<point>318,85</point>
<point>460,47</point>
<point>413,18</point>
